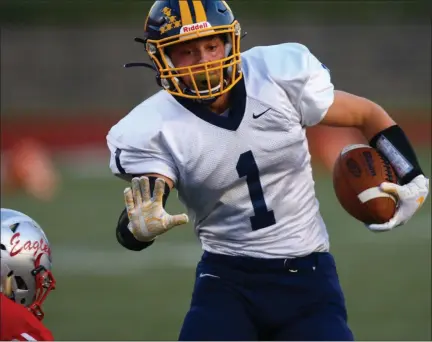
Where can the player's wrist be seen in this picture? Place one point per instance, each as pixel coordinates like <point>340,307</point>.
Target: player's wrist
<point>125,236</point>
<point>395,146</point>
<point>142,237</point>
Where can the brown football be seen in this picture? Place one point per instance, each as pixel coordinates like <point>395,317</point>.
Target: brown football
<point>357,174</point>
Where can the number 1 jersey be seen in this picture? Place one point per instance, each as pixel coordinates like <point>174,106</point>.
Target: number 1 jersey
<point>245,178</point>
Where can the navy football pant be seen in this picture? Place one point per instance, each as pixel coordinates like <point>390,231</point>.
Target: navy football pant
<point>240,298</point>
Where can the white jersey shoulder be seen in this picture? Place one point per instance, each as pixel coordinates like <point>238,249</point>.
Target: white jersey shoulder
<point>138,142</point>
<point>294,72</point>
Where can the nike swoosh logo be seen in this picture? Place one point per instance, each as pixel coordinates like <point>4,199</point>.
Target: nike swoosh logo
<point>257,116</point>
<point>202,275</point>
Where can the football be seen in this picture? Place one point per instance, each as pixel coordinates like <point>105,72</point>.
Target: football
<point>357,174</point>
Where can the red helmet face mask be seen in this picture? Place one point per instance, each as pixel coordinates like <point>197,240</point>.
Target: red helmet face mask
<point>45,283</point>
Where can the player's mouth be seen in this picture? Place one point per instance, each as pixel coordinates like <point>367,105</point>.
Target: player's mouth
<point>205,81</point>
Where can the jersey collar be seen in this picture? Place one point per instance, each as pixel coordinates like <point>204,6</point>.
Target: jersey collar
<point>236,110</point>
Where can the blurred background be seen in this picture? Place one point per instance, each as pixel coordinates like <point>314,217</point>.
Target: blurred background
<point>63,86</point>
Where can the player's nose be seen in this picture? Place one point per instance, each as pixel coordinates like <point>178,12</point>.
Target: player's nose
<point>204,56</point>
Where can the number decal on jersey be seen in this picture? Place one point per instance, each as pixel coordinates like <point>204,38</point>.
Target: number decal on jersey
<point>247,167</point>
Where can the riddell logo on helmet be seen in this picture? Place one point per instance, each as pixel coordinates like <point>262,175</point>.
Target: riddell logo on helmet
<point>195,27</point>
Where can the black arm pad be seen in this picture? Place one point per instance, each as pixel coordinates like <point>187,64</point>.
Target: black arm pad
<point>395,146</point>
<point>124,235</point>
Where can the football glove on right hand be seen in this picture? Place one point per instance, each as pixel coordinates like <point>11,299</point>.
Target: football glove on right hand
<point>147,216</point>
<point>411,197</point>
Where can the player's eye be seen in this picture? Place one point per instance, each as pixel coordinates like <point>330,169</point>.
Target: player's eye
<point>187,52</point>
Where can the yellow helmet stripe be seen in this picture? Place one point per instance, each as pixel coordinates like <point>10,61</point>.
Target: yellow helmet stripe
<point>185,13</point>
<point>200,14</point>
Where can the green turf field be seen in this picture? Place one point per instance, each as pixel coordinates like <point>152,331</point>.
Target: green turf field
<point>107,293</point>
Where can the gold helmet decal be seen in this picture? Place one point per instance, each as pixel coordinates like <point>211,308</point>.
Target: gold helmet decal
<point>173,21</point>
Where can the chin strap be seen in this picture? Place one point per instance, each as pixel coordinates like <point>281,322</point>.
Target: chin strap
<point>139,64</point>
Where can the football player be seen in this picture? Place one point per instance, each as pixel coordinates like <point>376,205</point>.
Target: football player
<point>26,278</point>
<point>228,132</point>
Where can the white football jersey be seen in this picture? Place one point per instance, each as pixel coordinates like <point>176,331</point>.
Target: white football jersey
<point>245,178</point>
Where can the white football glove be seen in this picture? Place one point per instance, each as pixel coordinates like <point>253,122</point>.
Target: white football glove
<point>147,215</point>
<point>411,196</point>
